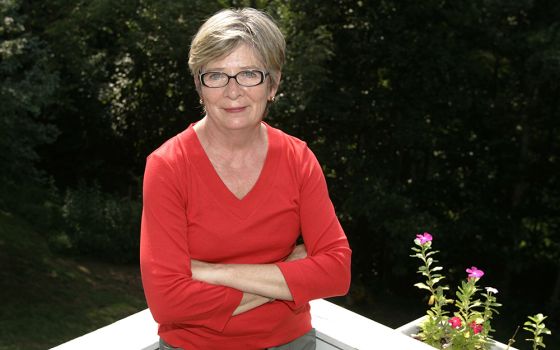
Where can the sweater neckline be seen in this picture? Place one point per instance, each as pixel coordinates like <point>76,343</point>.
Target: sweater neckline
<point>259,193</point>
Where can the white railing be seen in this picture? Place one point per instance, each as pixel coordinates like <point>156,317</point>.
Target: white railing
<point>336,327</point>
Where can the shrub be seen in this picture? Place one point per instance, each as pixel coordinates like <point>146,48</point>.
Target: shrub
<point>102,225</point>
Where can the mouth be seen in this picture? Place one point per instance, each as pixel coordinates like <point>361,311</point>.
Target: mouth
<point>235,109</point>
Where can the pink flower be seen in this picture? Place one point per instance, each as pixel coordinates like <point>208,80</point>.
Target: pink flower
<point>424,238</point>
<point>477,328</point>
<point>474,272</point>
<point>455,322</point>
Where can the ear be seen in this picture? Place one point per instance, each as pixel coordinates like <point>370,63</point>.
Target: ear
<point>197,86</point>
<point>274,88</point>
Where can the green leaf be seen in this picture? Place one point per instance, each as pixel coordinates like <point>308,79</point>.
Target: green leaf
<point>422,286</point>
<point>437,279</point>
<point>538,318</point>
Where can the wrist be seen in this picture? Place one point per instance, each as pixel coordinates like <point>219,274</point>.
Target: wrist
<point>216,273</point>
<point>206,272</point>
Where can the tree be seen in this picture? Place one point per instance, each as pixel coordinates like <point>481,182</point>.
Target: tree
<point>432,115</point>
<point>125,84</point>
<point>27,86</point>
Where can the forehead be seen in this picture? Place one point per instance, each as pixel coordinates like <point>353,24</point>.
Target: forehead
<point>243,56</point>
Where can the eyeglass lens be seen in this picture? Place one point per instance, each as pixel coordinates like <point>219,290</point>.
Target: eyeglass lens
<point>243,78</point>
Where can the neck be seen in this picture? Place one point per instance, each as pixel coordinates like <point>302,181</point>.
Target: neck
<point>231,140</point>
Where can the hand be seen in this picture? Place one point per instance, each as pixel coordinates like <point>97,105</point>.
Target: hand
<point>298,253</point>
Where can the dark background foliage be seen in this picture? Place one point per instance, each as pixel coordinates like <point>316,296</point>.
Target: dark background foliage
<point>439,116</point>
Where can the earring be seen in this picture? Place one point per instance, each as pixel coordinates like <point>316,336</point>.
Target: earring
<point>201,101</point>
<point>273,98</point>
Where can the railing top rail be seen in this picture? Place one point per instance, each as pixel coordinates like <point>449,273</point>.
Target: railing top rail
<point>337,328</point>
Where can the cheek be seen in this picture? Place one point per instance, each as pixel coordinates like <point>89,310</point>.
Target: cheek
<point>261,96</point>
<point>210,97</point>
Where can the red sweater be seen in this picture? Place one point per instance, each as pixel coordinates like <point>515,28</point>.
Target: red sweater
<point>189,213</point>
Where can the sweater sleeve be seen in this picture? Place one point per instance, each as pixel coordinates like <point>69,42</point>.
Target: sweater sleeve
<point>171,293</point>
<point>326,270</point>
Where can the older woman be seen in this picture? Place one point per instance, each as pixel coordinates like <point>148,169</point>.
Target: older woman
<point>226,200</point>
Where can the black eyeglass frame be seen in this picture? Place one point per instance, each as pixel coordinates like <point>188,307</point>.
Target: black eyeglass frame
<point>263,74</point>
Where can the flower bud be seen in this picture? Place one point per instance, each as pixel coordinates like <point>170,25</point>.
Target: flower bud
<point>432,300</point>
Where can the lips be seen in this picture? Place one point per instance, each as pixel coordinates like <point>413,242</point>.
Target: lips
<point>235,109</point>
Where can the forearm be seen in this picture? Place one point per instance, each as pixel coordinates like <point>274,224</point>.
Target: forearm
<point>261,279</point>
<point>324,275</point>
<point>249,302</point>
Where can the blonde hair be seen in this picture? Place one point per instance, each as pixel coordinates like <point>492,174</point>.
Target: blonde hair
<point>227,29</point>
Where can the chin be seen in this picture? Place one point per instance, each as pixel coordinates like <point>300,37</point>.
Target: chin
<point>242,123</point>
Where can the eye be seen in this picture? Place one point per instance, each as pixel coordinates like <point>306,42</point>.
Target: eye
<point>214,76</point>
<point>249,74</point>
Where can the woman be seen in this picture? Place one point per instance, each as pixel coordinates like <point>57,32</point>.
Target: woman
<point>226,200</point>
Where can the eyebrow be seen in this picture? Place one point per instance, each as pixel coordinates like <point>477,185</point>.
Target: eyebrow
<point>220,69</point>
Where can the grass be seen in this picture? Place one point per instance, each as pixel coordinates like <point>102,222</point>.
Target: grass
<point>48,299</point>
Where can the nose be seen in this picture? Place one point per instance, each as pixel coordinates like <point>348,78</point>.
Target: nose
<point>233,89</point>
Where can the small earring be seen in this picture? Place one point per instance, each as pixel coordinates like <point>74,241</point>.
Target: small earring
<point>273,99</point>
<point>201,101</point>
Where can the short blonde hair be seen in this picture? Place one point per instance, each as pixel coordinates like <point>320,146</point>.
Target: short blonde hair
<point>228,28</point>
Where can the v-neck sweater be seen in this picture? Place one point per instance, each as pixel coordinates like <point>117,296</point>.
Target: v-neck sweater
<point>188,212</point>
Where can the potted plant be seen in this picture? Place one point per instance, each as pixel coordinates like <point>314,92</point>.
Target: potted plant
<point>469,326</point>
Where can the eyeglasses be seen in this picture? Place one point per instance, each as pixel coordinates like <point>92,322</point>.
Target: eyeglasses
<point>245,78</point>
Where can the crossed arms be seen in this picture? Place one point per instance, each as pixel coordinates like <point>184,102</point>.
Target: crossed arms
<point>260,283</point>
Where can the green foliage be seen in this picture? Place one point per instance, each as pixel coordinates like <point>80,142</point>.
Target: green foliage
<point>38,202</point>
<point>126,84</point>
<point>102,225</point>
<point>466,306</point>
<point>26,86</point>
<point>431,114</point>
<point>490,309</point>
<point>536,326</point>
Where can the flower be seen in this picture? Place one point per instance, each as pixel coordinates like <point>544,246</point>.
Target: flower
<point>474,272</point>
<point>454,332</point>
<point>477,328</point>
<point>424,238</point>
<point>455,322</point>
